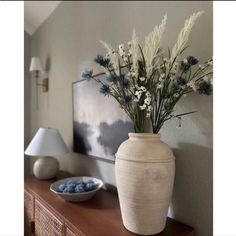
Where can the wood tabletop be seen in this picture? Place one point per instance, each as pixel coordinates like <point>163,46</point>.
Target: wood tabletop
<point>99,216</point>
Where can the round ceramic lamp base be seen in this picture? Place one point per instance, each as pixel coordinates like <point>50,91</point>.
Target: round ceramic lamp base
<point>46,168</point>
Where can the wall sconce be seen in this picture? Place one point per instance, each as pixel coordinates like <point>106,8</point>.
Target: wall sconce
<point>36,66</point>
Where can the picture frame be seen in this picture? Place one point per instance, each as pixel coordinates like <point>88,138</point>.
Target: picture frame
<point>99,124</point>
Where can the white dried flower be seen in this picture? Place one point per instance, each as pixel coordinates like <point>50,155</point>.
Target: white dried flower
<point>210,63</point>
<point>175,95</point>
<point>149,108</point>
<point>175,68</point>
<point>143,107</point>
<point>121,46</point>
<point>142,78</point>
<point>125,59</point>
<point>121,52</point>
<point>138,94</point>
<point>143,88</point>
<point>201,66</point>
<point>129,44</point>
<point>147,100</point>
<point>192,85</point>
<point>160,85</point>
<point>162,76</point>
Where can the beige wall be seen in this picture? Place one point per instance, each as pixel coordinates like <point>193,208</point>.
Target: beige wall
<point>68,41</point>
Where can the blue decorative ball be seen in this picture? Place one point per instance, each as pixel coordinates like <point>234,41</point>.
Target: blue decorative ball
<point>71,182</point>
<point>80,188</point>
<point>71,188</point>
<point>61,187</point>
<point>90,186</point>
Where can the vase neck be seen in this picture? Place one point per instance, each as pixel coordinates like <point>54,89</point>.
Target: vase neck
<point>144,136</point>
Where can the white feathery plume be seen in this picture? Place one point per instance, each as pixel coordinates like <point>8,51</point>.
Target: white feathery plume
<point>107,46</point>
<point>184,35</point>
<point>152,43</point>
<point>113,56</point>
<point>135,52</point>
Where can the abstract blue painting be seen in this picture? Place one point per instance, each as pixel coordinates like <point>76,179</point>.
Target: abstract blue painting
<point>99,124</point>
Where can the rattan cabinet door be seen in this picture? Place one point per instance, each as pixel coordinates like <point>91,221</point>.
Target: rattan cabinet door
<point>46,223</point>
<point>28,213</point>
<point>70,232</point>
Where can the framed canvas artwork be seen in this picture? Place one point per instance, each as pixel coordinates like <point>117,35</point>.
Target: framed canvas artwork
<point>99,124</point>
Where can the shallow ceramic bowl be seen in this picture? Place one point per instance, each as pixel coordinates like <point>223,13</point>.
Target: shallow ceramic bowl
<point>76,197</point>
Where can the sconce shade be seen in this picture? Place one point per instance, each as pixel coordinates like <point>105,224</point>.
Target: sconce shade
<point>47,142</point>
<point>35,64</point>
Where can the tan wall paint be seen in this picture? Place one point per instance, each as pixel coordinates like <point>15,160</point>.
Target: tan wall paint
<point>68,41</point>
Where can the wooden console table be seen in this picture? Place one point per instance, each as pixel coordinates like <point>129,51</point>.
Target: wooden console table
<point>46,214</point>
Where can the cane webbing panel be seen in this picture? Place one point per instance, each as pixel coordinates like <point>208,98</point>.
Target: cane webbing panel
<point>70,233</point>
<point>28,205</point>
<point>28,211</point>
<point>46,224</point>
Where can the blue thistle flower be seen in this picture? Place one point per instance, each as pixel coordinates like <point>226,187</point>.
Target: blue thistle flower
<point>127,98</point>
<point>125,83</point>
<point>184,66</point>
<point>181,81</point>
<point>192,60</point>
<point>87,73</point>
<point>205,88</point>
<point>102,61</point>
<point>104,89</point>
<point>111,78</point>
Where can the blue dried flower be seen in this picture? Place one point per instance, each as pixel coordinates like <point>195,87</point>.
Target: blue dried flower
<point>102,61</point>
<point>104,89</point>
<point>184,66</point>
<point>125,83</point>
<point>87,73</point>
<point>192,60</point>
<point>127,98</point>
<point>205,88</point>
<point>111,78</point>
<point>181,81</point>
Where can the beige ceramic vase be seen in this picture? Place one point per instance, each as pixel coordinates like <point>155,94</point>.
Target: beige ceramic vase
<point>145,169</point>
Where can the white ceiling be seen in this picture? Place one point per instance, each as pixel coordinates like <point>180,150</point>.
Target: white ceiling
<point>36,12</point>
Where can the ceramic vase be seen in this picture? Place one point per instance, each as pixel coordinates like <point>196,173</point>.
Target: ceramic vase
<point>145,169</point>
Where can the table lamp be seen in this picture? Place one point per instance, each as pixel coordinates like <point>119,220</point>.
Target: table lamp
<point>46,143</point>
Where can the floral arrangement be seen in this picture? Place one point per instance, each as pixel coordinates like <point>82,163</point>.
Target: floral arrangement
<point>147,81</point>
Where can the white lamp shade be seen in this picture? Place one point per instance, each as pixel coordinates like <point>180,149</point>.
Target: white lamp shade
<point>47,142</point>
<point>35,64</point>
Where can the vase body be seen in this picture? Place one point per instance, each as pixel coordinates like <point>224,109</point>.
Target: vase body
<point>145,169</point>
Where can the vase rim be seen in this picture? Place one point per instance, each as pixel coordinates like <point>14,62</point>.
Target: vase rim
<point>144,135</point>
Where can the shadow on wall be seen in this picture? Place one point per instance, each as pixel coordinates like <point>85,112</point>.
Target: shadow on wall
<point>193,188</point>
